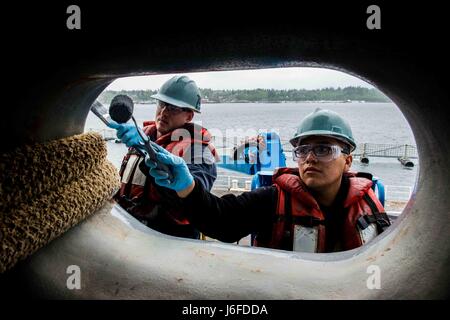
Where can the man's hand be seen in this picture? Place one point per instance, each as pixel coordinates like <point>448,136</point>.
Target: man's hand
<point>127,133</point>
<point>183,182</point>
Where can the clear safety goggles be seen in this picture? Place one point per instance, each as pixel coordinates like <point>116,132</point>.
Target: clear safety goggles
<point>323,152</point>
<point>170,108</point>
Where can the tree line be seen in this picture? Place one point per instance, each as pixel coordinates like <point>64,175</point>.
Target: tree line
<point>264,95</point>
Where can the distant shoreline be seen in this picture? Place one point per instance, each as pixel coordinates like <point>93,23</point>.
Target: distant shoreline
<point>301,101</point>
<point>332,95</point>
<point>281,102</point>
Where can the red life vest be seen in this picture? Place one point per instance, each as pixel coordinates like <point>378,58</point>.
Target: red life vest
<point>300,223</point>
<point>137,194</point>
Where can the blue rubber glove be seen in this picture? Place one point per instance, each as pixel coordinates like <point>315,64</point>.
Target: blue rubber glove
<point>182,178</point>
<point>127,132</point>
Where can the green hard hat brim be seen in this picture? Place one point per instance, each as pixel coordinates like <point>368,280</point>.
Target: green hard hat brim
<point>324,133</point>
<point>174,102</point>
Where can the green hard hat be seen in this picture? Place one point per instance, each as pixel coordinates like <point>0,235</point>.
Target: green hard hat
<point>324,123</point>
<point>180,91</point>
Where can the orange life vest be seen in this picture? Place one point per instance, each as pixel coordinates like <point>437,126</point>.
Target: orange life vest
<point>300,224</point>
<point>138,194</point>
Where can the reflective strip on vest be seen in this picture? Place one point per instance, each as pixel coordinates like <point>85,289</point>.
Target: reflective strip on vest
<point>305,239</point>
<point>131,164</point>
<point>139,177</point>
<point>368,233</point>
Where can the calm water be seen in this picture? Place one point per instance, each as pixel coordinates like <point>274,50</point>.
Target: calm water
<point>381,123</point>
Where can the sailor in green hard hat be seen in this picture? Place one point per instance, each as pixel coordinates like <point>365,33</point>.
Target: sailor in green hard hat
<point>177,101</point>
<point>322,145</point>
<point>318,206</point>
<point>325,123</point>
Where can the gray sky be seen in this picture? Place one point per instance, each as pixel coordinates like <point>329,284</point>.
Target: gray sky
<point>286,78</point>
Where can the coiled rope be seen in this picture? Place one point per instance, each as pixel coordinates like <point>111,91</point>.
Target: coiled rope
<point>45,189</point>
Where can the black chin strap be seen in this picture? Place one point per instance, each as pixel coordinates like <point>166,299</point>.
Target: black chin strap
<point>381,219</point>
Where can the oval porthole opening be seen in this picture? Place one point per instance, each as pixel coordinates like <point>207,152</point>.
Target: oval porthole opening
<point>240,109</point>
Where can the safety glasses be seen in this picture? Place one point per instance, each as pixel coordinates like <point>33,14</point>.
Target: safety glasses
<point>323,152</point>
<point>170,108</point>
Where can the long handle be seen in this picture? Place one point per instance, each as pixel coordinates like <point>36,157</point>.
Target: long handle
<point>151,152</point>
<point>99,110</point>
<point>159,165</point>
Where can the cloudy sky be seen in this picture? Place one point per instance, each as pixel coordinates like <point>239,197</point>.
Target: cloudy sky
<point>287,78</point>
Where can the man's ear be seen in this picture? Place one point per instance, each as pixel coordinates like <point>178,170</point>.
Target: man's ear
<point>190,116</point>
<point>348,162</point>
